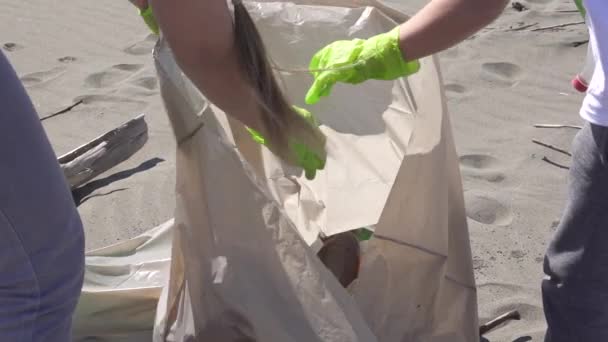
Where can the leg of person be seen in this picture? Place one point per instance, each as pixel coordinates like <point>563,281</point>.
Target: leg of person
<point>42,244</point>
<point>575,288</point>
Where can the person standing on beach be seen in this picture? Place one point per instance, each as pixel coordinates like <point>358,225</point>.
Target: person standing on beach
<point>575,288</point>
<point>41,234</point>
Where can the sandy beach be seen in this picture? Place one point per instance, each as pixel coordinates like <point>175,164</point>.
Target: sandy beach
<point>500,82</point>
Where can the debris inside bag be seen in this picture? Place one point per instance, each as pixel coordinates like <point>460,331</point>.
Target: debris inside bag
<point>341,254</point>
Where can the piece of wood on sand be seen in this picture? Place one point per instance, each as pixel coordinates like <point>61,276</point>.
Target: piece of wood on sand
<point>549,146</point>
<point>104,152</point>
<point>554,27</point>
<point>502,319</point>
<point>557,126</point>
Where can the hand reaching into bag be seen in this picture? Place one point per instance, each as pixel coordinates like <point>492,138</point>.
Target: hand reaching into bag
<point>305,151</point>
<point>358,60</point>
<point>440,25</point>
<point>228,61</point>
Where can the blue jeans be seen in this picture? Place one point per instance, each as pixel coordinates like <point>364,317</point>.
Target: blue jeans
<point>41,235</point>
<point>575,291</point>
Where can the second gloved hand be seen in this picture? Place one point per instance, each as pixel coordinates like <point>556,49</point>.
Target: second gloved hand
<point>309,156</point>
<point>355,61</point>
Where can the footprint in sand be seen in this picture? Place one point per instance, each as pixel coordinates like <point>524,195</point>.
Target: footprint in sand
<point>455,88</point>
<point>10,47</point>
<point>148,83</point>
<point>37,78</point>
<point>67,59</point>
<point>478,161</point>
<point>484,209</point>
<point>451,53</point>
<point>142,48</point>
<point>503,73</point>
<point>112,76</point>
<point>479,264</point>
<point>518,254</point>
<point>511,297</point>
<point>482,167</point>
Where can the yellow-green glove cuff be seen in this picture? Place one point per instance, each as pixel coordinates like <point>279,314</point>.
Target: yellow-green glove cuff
<point>148,17</point>
<point>358,60</point>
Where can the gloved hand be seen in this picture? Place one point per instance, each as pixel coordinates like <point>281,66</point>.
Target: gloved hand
<point>355,61</point>
<point>310,158</point>
<point>149,19</point>
<point>145,11</point>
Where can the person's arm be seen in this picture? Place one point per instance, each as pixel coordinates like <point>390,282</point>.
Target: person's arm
<point>442,24</point>
<point>390,55</point>
<point>141,4</point>
<point>201,36</point>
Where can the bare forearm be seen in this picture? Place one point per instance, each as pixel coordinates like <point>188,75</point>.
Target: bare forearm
<point>201,37</point>
<point>445,23</point>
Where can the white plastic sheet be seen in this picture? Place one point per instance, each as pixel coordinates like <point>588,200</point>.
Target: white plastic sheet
<point>242,268</point>
<point>122,286</point>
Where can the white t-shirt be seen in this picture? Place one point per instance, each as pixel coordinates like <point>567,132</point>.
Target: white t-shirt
<point>595,105</point>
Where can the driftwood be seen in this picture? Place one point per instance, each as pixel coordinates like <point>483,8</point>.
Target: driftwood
<point>103,153</point>
<point>579,43</point>
<point>545,159</point>
<point>491,325</point>
<point>63,111</point>
<point>557,126</point>
<point>557,149</point>
<point>521,28</point>
<point>558,26</point>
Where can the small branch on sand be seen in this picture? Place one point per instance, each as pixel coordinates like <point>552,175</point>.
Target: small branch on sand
<point>556,126</point>
<point>103,153</point>
<point>552,147</point>
<point>567,11</point>
<point>558,26</point>
<point>521,28</point>
<point>63,111</point>
<point>491,325</point>
<point>579,43</point>
<point>555,164</point>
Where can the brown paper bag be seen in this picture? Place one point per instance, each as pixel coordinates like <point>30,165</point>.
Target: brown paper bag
<point>243,265</point>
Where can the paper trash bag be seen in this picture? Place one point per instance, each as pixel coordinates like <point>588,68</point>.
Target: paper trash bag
<point>242,265</point>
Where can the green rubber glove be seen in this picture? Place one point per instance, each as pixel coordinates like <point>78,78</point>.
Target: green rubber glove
<point>355,61</point>
<point>305,158</point>
<point>581,7</point>
<point>149,19</point>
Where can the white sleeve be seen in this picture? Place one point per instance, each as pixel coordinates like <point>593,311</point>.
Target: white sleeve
<point>595,105</point>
